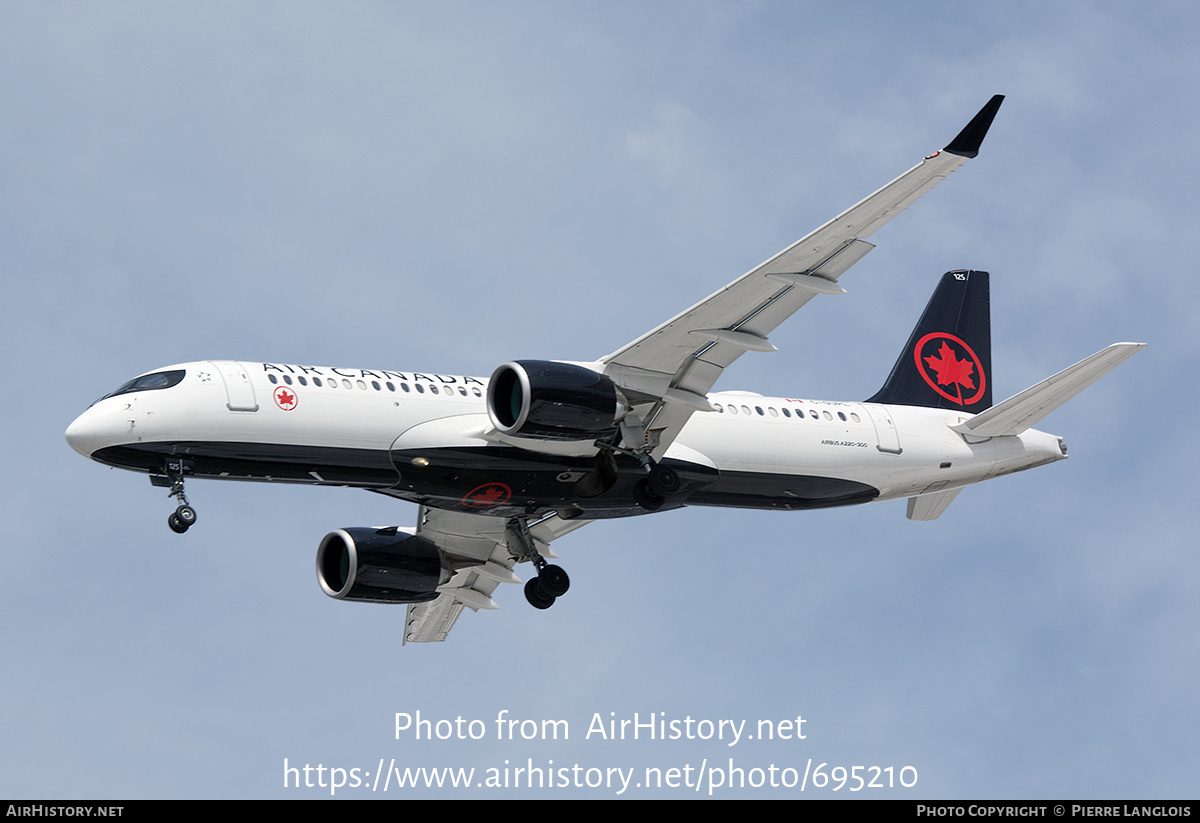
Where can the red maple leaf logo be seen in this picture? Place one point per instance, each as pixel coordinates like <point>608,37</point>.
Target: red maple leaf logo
<point>285,399</point>
<point>489,494</point>
<point>950,369</point>
<point>946,369</point>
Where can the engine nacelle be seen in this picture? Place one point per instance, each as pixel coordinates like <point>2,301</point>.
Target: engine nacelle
<point>544,400</point>
<point>380,566</point>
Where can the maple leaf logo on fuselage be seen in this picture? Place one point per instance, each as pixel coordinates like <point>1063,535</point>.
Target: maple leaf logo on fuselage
<point>285,399</point>
<point>487,495</point>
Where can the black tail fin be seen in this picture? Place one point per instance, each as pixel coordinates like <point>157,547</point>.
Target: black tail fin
<point>947,363</point>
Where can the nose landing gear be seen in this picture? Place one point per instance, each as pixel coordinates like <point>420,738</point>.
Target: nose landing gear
<point>184,516</point>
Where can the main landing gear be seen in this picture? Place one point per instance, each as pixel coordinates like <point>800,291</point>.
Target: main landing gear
<point>652,491</point>
<point>184,516</point>
<point>551,582</point>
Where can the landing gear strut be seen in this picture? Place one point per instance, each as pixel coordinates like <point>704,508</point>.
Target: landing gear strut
<point>184,515</point>
<point>551,582</point>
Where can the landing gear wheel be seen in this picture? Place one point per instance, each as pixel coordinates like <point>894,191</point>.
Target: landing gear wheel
<point>536,595</point>
<point>664,480</point>
<point>553,581</point>
<point>186,515</point>
<point>176,525</point>
<point>645,496</point>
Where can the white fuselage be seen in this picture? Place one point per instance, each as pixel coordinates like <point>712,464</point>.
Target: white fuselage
<point>394,431</point>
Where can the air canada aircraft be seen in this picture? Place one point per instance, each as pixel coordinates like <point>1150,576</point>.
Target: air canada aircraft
<point>500,467</point>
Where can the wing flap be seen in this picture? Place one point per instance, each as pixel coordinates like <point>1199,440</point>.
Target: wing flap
<point>431,622</point>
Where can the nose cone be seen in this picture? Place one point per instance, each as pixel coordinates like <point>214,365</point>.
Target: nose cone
<point>82,434</point>
<point>106,423</point>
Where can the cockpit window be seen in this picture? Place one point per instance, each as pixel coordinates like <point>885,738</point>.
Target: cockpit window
<point>147,382</point>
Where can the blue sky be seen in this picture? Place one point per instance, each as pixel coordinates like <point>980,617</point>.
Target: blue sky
<point>449,186</point>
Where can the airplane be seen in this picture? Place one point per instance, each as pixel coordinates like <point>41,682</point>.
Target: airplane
<point>503,466</point>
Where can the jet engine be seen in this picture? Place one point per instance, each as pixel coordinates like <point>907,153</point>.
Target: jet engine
<point>545,400</point>
<point>380,566</point>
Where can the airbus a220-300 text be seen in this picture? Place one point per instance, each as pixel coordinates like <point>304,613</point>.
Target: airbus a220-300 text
<point>503,466</point>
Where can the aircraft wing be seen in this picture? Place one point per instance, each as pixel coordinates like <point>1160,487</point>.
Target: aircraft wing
<point>668,371</point>
<point>476,548</point>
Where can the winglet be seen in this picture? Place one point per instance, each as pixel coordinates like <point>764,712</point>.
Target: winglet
<point>969,139</point>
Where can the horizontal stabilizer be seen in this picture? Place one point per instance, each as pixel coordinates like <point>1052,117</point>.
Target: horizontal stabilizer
<point>1019,412</point>
<point>930,506</point>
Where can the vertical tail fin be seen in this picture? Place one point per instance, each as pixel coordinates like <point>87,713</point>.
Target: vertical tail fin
<point>947,362</point>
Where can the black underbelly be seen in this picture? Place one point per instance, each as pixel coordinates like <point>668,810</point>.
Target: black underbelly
<point>499,481</point>
<point>759,490</point>
<point>367,468</point>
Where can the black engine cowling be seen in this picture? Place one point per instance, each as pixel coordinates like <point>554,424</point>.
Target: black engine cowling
<point>545,400</point>
<point>379,565</point>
